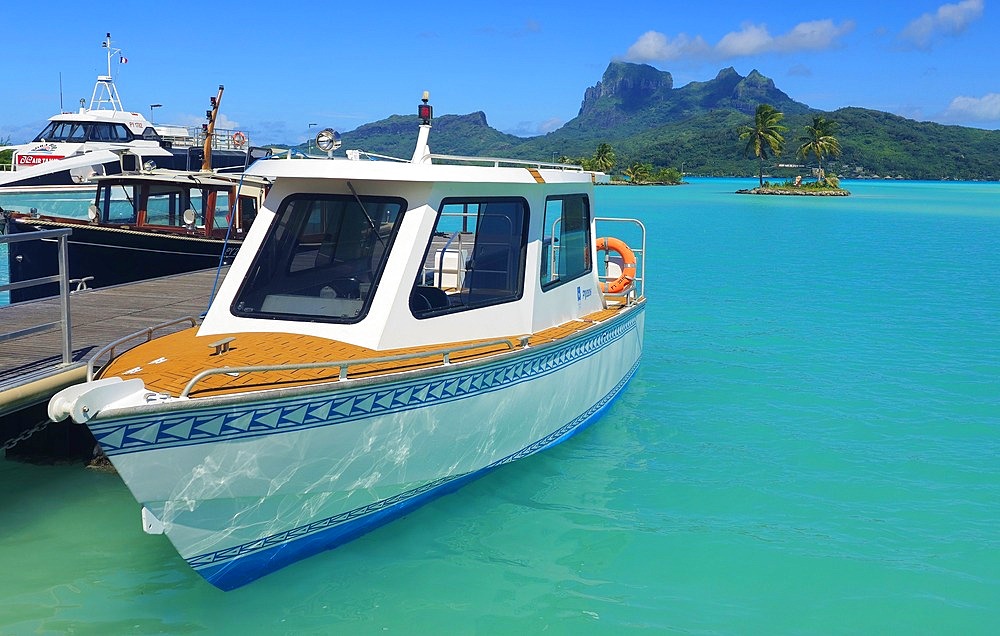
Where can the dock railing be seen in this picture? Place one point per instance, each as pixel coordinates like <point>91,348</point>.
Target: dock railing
<point>62,278</point>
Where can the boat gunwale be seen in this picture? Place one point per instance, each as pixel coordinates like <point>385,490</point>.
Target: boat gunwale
<point>172,403</point>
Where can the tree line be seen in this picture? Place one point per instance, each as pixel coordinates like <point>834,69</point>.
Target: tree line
<point>639,172</point>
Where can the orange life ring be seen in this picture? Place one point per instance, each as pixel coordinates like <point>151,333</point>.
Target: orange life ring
<point>623,282</point>
<point>239,139</point>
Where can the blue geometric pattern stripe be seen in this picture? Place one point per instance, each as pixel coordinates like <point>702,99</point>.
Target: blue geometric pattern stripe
<point>338,405</point>
<point>221,556</point>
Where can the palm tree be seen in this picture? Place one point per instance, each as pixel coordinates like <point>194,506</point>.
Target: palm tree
<point>764,137</point>
<point>819,141</point>
<point>604,158</point>
<point>639,172</point>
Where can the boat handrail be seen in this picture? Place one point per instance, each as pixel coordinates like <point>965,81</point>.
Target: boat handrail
<point>62,236</point>
<point>496,161</point>
<point>344,365</point>
<point>148,332</point>
<point>637,289</point>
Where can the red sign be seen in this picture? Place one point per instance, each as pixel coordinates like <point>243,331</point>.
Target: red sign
<point>35,160</point>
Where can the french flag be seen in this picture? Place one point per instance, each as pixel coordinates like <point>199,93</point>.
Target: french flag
<point>123,60</point>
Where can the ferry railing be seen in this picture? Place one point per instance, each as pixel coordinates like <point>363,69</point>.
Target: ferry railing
<point>637,289</point>
<point>62,278</point>
<point>344,365</point>
<point>147,333</point>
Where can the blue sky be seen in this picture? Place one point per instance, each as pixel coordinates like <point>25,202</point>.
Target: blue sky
<point>525,64</point>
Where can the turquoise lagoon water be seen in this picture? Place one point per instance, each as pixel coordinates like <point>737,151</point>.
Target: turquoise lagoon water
<point>811,446</point>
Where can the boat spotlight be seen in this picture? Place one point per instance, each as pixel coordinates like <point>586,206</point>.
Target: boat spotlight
<point>149,166</point>
<point>328,140</point>
<point>93,213</point>
<point>189,217</point>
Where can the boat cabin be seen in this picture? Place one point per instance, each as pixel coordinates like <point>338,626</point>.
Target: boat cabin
<point>391,254</point>
<point>180,202</point>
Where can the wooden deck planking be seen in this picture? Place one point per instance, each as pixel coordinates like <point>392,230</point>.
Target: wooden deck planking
<point>98,317</point>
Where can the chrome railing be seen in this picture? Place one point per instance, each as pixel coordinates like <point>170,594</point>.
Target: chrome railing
<point>343,365</point>
<point>62,278</point>
<point>147,333</point>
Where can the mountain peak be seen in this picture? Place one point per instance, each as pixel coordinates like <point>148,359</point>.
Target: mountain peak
<point>728,73</point>
<point>630,84</point>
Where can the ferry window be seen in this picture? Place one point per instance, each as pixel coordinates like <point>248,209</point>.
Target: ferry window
<point>565,239</point>
<point>64,132</point>
<point>120,132</point>
<point>322,258</point>
<point>475,257</point>
<point>100,132</point>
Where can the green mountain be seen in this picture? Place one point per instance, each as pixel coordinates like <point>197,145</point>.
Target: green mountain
<point>637,110</point>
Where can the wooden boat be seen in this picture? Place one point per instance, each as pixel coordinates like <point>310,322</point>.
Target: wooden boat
<point>390,331</point>
<point>141,224</point>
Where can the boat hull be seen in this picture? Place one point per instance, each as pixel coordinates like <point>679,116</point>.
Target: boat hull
<point>111,256</point>
<point>243,488</point>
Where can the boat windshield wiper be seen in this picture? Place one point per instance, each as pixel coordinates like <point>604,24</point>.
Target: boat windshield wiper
<point>371,221</point>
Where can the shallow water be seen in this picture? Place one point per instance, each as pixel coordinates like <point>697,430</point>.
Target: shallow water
<point>810,446</point>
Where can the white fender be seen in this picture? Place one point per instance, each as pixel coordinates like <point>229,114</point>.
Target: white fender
<point>84,401</point>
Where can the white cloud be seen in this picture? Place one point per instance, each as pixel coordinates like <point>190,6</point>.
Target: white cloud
<point>948,20</point>
<point>817,35</point>
<point>653,45</point>
<point>751,39</point>
<point>985,108</point>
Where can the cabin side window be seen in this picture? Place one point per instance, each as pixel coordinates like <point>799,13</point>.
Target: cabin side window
<point>475,257</point>
<point>165,205</point>
<point>322,258</point>
<point>565,239</point>
<point>115,203</point>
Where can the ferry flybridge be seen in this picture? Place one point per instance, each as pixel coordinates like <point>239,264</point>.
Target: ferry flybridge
<point>390,330</point>
<point>76,147</point>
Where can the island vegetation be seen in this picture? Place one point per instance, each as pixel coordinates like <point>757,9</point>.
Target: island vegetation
<point>637,172</point>
<point>765,140</point>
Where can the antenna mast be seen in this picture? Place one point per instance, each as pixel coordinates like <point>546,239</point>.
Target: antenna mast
<point>104,90</point>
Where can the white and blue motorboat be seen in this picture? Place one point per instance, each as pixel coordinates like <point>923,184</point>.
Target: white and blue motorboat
<point>389,331</point>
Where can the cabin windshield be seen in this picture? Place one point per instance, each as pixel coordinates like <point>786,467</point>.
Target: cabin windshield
<point>322,258</point>
<point>78,132</point>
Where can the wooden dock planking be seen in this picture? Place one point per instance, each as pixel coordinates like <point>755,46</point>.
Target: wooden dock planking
<point>97,317</point>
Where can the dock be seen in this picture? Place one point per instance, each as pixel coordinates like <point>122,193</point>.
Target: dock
<point>33,368</point>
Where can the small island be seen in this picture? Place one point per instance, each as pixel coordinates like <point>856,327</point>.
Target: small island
<point>765,138</point>
<point>827,187</point>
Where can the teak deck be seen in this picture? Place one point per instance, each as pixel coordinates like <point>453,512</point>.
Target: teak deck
<point>167,364</point>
